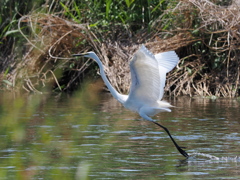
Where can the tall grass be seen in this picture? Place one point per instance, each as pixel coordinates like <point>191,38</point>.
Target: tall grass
<point>205,40</point>
<point>107,19</point>
<point>105,15</point>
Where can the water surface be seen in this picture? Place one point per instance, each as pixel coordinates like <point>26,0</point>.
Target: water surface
<point>89,135</point>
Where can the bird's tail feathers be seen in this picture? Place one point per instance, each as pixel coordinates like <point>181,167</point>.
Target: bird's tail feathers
<point>164,104</point>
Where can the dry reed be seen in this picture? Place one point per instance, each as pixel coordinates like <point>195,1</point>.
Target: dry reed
<point>48,61</point>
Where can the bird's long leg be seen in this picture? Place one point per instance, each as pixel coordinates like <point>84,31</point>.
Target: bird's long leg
<point>174,142</point>
<point>146,117</point>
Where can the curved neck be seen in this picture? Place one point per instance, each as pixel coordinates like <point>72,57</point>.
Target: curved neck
<point>105,79</point>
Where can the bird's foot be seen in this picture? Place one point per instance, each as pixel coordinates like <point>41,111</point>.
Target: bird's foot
<point>184,153</point>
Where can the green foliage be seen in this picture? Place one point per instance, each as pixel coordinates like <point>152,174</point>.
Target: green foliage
<point>108,14</point>
<point>101,15</point>
<point>10,13</point>
<point>117,20</point>
<point>10,39</point>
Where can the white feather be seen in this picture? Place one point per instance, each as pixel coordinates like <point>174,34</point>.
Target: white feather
<point>148,73</point>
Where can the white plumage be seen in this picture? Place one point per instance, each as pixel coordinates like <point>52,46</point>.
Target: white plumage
<point>148,74</point>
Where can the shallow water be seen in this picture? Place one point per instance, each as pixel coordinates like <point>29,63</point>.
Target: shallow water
<point>91,136</point>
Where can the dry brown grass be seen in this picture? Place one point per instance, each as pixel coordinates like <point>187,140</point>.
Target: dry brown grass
<point>48,62</point>
<point>54,40</point>
<point>223,26</point>
<point>48,52</point>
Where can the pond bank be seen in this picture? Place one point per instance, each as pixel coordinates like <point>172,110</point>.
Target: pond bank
<point>204,35</point>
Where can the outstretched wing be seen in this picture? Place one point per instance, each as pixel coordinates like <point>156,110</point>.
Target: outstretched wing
<point>145,76</point>
<point>166,62</point>
<point>148,73</point>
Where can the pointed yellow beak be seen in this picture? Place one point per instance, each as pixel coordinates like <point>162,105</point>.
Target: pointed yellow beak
<point>82,54</point>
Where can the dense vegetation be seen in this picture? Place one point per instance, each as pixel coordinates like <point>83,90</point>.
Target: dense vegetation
<point>37,39</point>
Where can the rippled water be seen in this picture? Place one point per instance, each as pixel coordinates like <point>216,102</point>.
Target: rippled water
<point>91,136</point>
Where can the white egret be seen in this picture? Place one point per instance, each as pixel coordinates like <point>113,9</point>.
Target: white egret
<point>148,74</point>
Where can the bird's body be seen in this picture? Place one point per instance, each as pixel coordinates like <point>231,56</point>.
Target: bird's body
<point>148,74</point>
<point>148,81</point>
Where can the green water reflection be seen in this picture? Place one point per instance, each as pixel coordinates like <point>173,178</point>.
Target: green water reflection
<point>88,135</point>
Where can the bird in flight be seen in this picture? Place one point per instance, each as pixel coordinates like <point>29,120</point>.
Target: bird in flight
<point>148,75</point>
